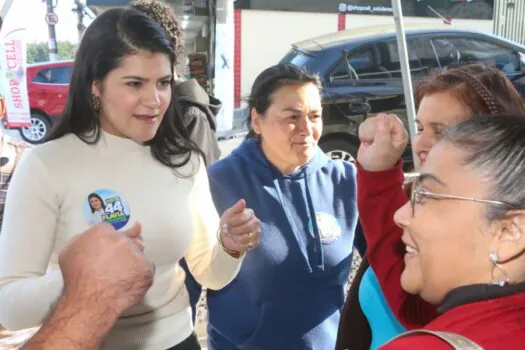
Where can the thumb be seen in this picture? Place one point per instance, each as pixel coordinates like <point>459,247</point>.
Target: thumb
<point>134,231</point>
<point>237,208</point>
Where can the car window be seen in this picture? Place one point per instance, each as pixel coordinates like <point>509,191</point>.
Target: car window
<point>422,58</point>
<point>447,52</point>
<point>462,51</point>
<point>423,51</point>
<point>366,63</point>
<point>382,61</point>
<point>56,75</point>
<point>43,76</point>
<point>296,58</point>
<point>341,72</point>
<point>417,68</point>
<point>62,75</point>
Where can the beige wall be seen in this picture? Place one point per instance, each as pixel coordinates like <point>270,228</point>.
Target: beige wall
<point>266,36</point>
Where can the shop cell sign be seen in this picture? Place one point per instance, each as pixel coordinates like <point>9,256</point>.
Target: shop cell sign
<point>13,77</point>
<point>467,9</point>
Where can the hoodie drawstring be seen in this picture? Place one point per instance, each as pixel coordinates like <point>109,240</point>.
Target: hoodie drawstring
<point>318,261</point>
<point>318,246</point>
<point>291,221</point>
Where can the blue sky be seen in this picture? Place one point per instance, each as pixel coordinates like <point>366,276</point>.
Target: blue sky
<point>66,29</point>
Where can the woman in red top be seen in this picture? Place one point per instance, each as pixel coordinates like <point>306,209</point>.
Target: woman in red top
<point>446,99</point>
<point>464,235</point>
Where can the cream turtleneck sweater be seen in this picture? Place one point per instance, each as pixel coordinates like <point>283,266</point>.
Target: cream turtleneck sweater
<point>47,204</point>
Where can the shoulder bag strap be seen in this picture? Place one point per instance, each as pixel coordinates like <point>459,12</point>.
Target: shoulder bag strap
<point>457,341</point>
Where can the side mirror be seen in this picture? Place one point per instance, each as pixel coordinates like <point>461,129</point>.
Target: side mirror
<point>359,108</point>
<point>521,57</point>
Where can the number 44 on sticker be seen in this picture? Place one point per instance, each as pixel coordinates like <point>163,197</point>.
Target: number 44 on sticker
<point>114,207</point>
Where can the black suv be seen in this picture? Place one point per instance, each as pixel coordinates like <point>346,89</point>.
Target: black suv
<point>361,74</point>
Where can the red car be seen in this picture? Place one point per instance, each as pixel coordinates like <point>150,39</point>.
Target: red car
<point>47,87</point>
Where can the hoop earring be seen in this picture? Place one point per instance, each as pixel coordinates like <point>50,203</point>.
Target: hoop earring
<point>494,259</point>
<point>95,103</point>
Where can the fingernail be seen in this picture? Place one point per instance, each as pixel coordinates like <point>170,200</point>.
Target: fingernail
<point>225,228</point>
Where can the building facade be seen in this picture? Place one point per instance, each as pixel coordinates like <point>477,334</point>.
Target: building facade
<point>228,45</point>
<point>266,29</point>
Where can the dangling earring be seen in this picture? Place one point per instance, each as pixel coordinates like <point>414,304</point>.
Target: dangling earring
<point>494,259</point>
<point>95,103</point>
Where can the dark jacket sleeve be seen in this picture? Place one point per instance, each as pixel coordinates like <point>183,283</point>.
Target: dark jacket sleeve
<point>201,132</point>
<point>359,239</point>
<point>354,332</point>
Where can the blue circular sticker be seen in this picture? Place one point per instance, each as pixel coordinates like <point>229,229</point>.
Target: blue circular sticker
<point>106,206</point>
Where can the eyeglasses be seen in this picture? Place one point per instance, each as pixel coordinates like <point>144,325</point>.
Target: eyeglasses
<point>418,195</point>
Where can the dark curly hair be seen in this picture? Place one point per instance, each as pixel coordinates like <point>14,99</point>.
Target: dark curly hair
<point>164,15</point>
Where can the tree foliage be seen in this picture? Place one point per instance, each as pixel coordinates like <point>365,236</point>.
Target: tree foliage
<point>39,51</point>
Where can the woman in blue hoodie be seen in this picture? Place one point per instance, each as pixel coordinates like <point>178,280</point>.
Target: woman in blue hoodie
<point>290,290</point>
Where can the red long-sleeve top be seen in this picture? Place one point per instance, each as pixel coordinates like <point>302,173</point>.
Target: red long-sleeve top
<point>494,324</point>
<point>380,195</point>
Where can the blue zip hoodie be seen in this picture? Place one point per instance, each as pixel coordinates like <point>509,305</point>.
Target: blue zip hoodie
<point>290,290</point>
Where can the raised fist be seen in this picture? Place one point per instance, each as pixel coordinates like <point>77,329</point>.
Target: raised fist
<point>383,140</point>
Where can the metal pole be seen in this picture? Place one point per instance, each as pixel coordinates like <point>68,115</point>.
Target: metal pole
<point>405,71</point>
<point>5,8</point>
<point>79,9</point>
<point>53,50</point>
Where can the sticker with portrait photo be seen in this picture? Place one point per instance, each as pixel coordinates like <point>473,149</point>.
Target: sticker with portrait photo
<point>106,206</point>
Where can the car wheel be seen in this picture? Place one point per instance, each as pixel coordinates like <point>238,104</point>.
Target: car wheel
<point>340,148</point>
<point>37,132</point>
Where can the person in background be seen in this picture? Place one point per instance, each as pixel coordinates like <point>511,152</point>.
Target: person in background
<point>105,273</point>
<point>290,290</point>
<point>197,108</point>
<point>119,138</point>
<point>467,92</point>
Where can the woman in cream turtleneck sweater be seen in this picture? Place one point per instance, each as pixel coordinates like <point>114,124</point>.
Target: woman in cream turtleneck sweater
<point>119,141</point>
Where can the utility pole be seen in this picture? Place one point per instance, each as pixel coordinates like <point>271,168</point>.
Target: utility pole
<point>5,8</point>
<point>52,19</point>
<point>82,11</point>
<point>79,9</point>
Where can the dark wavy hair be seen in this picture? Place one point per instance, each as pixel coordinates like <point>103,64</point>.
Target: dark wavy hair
<point>113,35</point>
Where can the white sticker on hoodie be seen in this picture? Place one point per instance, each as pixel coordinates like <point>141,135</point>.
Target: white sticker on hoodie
<point>329,228</point>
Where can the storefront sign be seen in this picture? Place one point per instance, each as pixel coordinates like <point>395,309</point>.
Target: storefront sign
<point>471,9</point>
<point>372,10</point>
<point>13,77</point>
